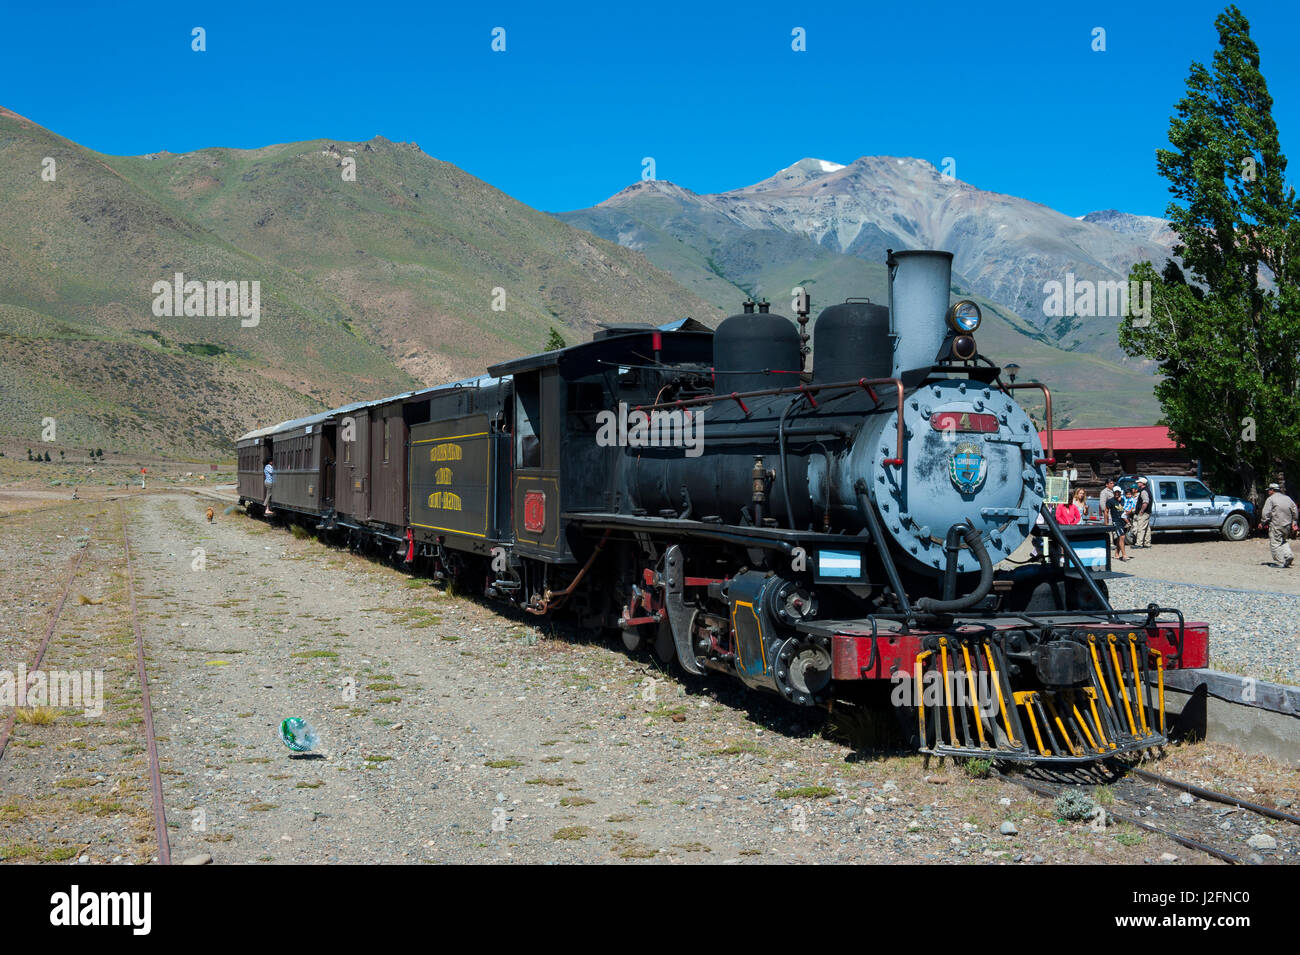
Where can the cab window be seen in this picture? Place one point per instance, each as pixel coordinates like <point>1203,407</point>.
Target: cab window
<point>1168,490</point>
<point>1196,491</point>
<point>528,410</point>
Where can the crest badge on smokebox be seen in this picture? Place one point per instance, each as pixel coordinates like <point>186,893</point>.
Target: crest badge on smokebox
<point>967,467</point>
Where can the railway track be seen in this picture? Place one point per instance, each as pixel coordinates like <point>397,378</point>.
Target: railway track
<point>1189,820</point>
<point>155,779</point>
<point>7,732</point>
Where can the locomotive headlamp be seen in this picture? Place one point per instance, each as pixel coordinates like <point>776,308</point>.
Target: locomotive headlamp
<point>963,347</point>
<point>964,317</point>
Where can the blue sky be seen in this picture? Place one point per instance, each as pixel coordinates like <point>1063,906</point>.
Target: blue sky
<point>564,117</point>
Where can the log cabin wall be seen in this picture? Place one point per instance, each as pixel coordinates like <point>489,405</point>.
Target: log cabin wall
<point>1096,467</point>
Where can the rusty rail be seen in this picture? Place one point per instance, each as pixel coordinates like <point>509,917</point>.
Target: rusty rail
<point>151,740</point>
<point>7,730</point>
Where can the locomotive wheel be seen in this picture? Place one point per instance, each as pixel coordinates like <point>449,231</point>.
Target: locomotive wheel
<point>633,639</point>
<point>665,650</point>
<point>810,671</point>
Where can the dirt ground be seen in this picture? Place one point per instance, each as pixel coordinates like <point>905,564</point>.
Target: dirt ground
<point>448,732</point>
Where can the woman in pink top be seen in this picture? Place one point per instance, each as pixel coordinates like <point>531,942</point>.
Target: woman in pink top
<point>1072,513</point>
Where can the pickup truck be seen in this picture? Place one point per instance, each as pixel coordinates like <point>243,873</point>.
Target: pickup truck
<point>1185,504</point>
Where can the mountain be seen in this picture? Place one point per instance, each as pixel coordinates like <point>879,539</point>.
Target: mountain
<point>1152,229</point>
<point>826,226</point>
<point>377,268</point>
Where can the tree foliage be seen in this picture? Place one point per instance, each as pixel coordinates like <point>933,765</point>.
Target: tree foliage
<point>554,340</point>
<point>1226,335</point>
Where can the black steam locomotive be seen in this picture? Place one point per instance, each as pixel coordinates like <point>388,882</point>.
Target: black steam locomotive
<point>808,533</point>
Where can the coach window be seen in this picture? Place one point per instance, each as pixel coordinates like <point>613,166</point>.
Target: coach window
<point>387,425</point>
<point>528,409</point>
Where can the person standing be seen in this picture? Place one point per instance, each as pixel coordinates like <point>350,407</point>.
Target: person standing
<point>1280,515</point>
<point>1113,512</point>
<point>1104,499</point>
<point>268,479</point>
<point>1142,516</point>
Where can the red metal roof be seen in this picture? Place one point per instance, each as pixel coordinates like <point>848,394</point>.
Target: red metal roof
<point>1155,438</point>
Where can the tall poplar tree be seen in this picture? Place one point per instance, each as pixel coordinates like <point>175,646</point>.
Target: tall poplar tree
<point>1226,337</point>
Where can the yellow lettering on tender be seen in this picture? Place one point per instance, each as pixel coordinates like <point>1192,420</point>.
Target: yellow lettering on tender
<point>445,452</point>
<point>443,476</point>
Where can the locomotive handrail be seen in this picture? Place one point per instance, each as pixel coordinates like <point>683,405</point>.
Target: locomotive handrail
<point>808,390</point>
<point>1050,458</point>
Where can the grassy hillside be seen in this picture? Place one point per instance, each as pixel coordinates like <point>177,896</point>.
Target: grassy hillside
<point>368,287</point>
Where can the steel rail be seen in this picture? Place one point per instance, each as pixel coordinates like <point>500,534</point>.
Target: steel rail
<point>7,731</point>
<point>1134,821</point>
<point>1211,795</point>
<point>155,779</point>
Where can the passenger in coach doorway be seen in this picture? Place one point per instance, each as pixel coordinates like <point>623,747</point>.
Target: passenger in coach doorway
<point>1280,515</point>
<point>268,479</point>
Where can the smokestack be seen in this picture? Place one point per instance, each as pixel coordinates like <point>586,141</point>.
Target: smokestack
<point>918,301</point>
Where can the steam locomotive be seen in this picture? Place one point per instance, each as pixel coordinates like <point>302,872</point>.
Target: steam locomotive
<point>830,536</point>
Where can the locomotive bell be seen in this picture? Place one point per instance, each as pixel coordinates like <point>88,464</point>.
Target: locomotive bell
<point>918,301</point>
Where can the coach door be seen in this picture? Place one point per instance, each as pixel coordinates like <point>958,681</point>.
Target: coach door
<point>536,458</point>
<point>352,484</point>
<point>328,463</point>
<point>387,466</point>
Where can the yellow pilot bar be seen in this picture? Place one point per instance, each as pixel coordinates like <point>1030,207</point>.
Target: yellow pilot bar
<point>997,686</point>
<point>976,710</point>
<point>920,692</point>
<point>1101,674</point>
<point>1160,681</point>
<point>1091,694</point>
<point>1083,725</point>
<point>1025,698</point>
<point>1060,725</point>
<point>1137,682</point>
<point>1119,678</point>
<point>947,703</point>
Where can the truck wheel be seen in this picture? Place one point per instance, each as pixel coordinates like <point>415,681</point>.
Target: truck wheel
<point>1236,527</point>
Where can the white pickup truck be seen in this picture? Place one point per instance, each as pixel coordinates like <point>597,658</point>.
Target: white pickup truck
<point>1185,504</point>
